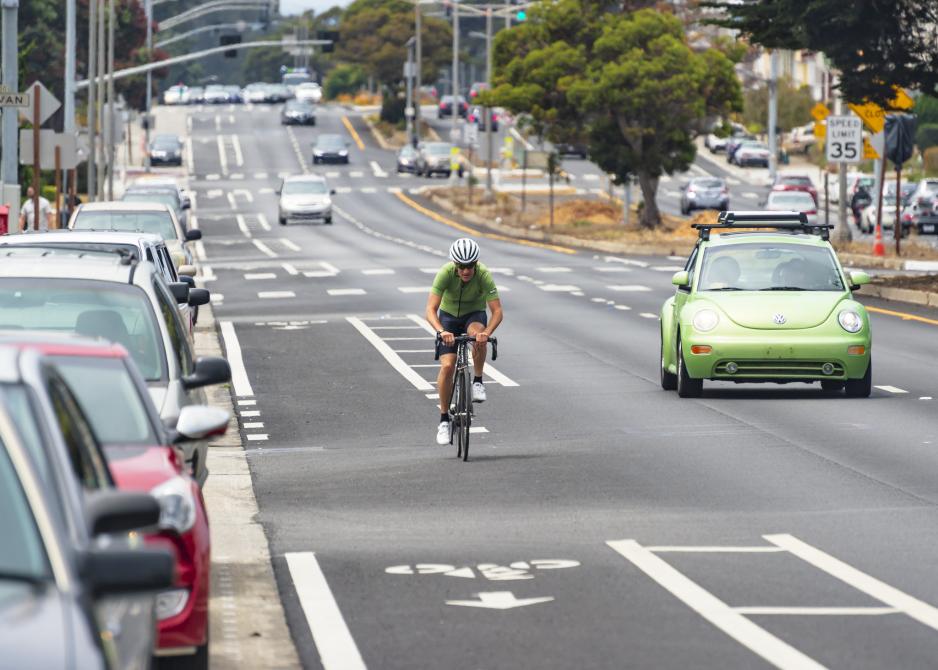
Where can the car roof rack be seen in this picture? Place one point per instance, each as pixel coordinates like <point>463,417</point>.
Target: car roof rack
<point>126,258</point>
<point>795,222</point>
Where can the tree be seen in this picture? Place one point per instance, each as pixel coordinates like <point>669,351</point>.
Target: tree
<point>628,78</point>
<point>876,45</point>
<point>794,105</point>
<point>345,78</point>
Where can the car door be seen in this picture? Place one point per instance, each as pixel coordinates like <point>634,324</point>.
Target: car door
<point>682,294</point>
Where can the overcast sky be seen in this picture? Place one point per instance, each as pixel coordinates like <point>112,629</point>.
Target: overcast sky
<point>300,6</point>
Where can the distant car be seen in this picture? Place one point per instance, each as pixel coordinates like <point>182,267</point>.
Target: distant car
<point>144,217</point>
<point>308,91</point>
<point>751,154</point>
<point>407,159</point>
<point>580,149</point>
<point>477,88</point>
<point>275,93</point>
<point>477,116</point>
<point>446,107</point>
<point>716,144</point>
<point>705,193</point>
<point>304,198</point>
<point>174,95</point>
<point>296,77</point>
<point>868,220</point>
<point>795,182</point>
<point>255,93</point>
<point>234,94</point>
<point>164,195</point>
<point>298,112</point>
<point>734,142</point>
<point>330,148</point>
<point>167,181</point>
<point>215,95</point>
<point>800,140</point>
<point>436,158</point>
<point>194,95</point>
<point>793,201</point>
<point>923,207</point>
<point>165,150</point>
<point>70,597</point>
<point>143,456</point>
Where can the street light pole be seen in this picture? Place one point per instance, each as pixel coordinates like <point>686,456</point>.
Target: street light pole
<point>111,121</point>
<point>418,84</point>
<point>409,110</point>
<point>773,114</point>
<point>102,69</point>
<point>92,100</point>
<point>10,63</point>
<point>488,111</point>
<point>70,48</point>
<point>455,76</point>
<point>146,126</point>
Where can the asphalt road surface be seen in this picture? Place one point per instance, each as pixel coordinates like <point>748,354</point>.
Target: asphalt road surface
<point>600,521</point>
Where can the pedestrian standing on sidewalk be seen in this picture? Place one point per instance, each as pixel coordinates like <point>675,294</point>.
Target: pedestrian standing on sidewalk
<point>28,220</point>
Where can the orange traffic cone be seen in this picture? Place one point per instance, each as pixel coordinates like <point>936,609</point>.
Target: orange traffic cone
<point>878,248</point>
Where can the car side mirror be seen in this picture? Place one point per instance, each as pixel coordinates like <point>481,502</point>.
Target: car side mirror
<point>331,191</point>
<point>681,279</point>
<point>199,422</point>
<point>208,371</point>
<point>113,511</point>
<point>186,270</point>
<point>114,571</point>
<point>180,291</point>
<point>186,204</point>
<point>198,296</point>
<point>858,279</point>
<point>192,235</point>
<point>188,281</point>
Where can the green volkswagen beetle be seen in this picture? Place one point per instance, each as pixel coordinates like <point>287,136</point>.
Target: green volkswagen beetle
<point>765,300</point>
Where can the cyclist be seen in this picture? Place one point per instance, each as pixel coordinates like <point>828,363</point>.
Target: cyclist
<point>456,305</point>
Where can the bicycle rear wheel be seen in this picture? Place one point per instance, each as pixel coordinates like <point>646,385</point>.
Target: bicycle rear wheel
<point>455,415</point>
<point>466,412</point>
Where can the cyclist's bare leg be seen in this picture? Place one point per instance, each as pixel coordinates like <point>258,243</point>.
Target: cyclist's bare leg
<point>444,380</point>
<point>478,350</point>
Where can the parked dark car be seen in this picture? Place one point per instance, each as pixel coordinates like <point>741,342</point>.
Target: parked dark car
<point>446,107</point>
<point>407,159</point>
<point>330,148</point>
<point>300,113</point>
<point>572,149</point>
<point>705,193</point>
<point>165,150</point>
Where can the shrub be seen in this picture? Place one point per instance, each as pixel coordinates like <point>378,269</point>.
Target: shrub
<point>392,108</point>
<point>931,161</point>
<point>927,136</point>
<point>344,79</point>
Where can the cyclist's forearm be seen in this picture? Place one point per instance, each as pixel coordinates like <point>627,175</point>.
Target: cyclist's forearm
<point>494,321</point>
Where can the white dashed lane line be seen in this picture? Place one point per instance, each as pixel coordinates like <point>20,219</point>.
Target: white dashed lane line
<point>346,291</point>
<point>628,288</point>
<point>275,295</point>
<point>259,275</point>
<point>891,389</point>
<point>648,315</point>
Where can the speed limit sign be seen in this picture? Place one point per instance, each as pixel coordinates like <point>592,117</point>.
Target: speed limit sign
<point>844,139</point>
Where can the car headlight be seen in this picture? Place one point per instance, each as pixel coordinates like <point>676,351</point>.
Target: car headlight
<point>343,153</point>
<point>317,152</point>
<point>706,320</point>
<point>691,194</point>
<point>850,321</point>
<point>177,505</point>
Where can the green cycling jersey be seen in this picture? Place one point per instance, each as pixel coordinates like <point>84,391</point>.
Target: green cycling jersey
<point>461,298</point>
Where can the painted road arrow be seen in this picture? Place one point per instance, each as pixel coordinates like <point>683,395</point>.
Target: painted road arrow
<point>499,600</point>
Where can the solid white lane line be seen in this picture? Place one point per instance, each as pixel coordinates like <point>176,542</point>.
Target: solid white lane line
<point>356,174</point>
<point>913,607</point>
<point>714,610</point>
<point>257,437</point>
<point>275,295</point>
<point>239,376</point>
<point>496,376</point>
<point>433,396</point>
<point>625,261</point>
<point>378,271</point>
<point>218,122</point>
<point>390,356</point>
<point>597,300</point>
<point>264,248</point>
<point>334,642</point>
<point>891,389</point>
<point>368,189</point>
<point>925,397</point>
<point>290,244</point>
<point>290,269</point>
<point>333,174</point>
<point>624,308</point>
<point>190,160</point>
<point>239,157</point>
<point>817,611</point>
<point>253,424</point>
<point>346,291</point>
<point>668,268</point>
<point>221,155</point>
<point>250,276</point>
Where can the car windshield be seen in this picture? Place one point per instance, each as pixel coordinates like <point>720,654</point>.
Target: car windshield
<point>794,200</point>
<point>438,149</point>
<point>160,223</point>
<point>116,312</point>
<point>795,181</point>
<point>769,266</point>
<point>294,79</point>
<point>330,142</point>
<point>164,198</point>
<point>105,389</point>
<point>304,188</point>
<point>23,557</point>
<point>407,152</point>
<point>707,183</point>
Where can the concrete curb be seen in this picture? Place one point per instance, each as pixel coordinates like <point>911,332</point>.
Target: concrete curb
<point>906,295</point>
<point>383,143</point>
<point>248,624</point>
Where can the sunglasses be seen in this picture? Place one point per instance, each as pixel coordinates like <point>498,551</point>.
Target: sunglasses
<point>470,266</point>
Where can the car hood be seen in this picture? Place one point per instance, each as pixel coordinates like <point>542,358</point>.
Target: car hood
<point>34,627</point>
<point>758,309</point>
<point>140,468</point>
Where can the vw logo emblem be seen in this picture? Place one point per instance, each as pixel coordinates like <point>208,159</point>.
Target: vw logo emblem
<point>779,319</point>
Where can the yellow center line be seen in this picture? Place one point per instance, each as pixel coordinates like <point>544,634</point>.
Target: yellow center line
<point>902,315</point>
<point>478,233</point>
<point>351,130</point>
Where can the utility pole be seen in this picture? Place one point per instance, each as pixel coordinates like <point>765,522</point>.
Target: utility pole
<point>102,69</point>
<point>8,167</point>
<point>455,75</point>
<point>149,103</point>
<point>488,111</point>
<point>409,111</point>
<point>92,100</point>
<point>418,84</point>
<point>70,48</point>
<point>773,114</point>
<point>111,120</point>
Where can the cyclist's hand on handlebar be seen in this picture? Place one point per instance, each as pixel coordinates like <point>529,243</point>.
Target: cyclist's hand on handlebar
<point>448,338</point>
<point>482,338</point>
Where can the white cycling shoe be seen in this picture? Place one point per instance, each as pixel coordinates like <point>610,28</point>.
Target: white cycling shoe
<point>478,392</point>
<point>443,433</point>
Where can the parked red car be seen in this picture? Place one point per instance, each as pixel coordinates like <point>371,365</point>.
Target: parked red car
<point>795,182</point>
<point>142,456</point>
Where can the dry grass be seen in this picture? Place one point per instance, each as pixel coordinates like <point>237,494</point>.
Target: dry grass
<point>912,248</point>
<point>919,283</point>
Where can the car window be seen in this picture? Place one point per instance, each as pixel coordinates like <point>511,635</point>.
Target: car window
<point>23,552</point>
<point>177,333</point>
<point>769,266</point>
<point>707,183</point>
<point>795,199</point>
<point>690,266</point>
<point>80,443</point>
<point>304,187</point>
<point>105,390</point>
<point>160,223</point>
<point>106,310</point>
<point>170,273</point>
<point>22,409</point>
<point>162,198</point>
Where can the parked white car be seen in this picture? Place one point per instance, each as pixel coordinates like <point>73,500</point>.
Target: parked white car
<point>309,91</point>
<point>175,95</point>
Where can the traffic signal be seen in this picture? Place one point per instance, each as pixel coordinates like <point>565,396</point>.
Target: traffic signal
<point>521,15</point>
<point>225,40</point>
<point>328,35</point>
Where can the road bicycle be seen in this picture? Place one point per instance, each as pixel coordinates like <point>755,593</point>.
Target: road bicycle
<point>460,406</point>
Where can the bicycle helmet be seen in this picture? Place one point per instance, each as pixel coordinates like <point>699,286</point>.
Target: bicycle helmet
<point>464,251</point>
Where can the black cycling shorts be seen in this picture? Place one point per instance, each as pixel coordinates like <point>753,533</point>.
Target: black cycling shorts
<point>458,325</point>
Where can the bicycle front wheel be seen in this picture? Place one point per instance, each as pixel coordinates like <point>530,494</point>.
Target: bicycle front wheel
<point>455,414</point>
<point>466,414</point>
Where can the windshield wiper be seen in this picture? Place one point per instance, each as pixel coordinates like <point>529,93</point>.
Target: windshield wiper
<point>785,288</point>
<point>726,288</point>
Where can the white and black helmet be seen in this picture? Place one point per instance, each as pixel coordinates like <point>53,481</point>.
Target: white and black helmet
<point>464,251</point>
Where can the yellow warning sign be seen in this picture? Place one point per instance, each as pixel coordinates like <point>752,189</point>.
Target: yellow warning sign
<point>869,153</point>
<point>820,112</point>
<point>872,114</point>
<point>820,130</point>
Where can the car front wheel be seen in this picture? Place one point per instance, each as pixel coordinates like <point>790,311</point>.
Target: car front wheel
<point>862,387</point>
<point>687,386</point>
<point>668,379</point>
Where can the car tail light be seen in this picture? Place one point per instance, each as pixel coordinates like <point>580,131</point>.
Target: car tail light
<point>811,211</point>
<point>442,105</point>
